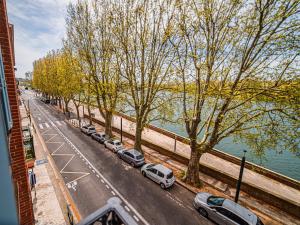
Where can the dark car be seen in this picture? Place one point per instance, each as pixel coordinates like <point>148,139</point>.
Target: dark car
<point>100,137</point>
<point>132,156</point>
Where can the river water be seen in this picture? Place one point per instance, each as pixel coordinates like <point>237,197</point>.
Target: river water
<point>285,163</point>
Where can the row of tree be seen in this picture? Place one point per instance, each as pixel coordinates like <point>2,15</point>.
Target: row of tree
<point>223,55</point>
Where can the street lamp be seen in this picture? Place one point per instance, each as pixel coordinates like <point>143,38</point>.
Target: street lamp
<point>238,185</point>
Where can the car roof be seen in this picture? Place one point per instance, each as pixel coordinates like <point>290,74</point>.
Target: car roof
<point>134,152</point>
<point>241,211</point>
<point>162,169</point>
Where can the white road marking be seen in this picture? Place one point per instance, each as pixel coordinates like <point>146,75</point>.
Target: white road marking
<point>52,123</point>
<point>104,179</point>
<point>39,118</point>
<point>58,123</point>
<point>63,122</point>
<point>41,126</point>
<point>137,219</point>
<point>113,192</point>
<point>126,207</point>
<point>93,171</point>
<point>47,125</point>
<point>107,186</point>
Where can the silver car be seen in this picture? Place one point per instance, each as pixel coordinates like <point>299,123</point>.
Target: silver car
<point>224,211</point>
<point>132,156</point>
<point>114,145</point>
<point>159,174</point>
<point>88,130</point>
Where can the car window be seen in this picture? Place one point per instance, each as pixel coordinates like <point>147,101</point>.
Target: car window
<point>91,128</point>
<point>139,157</point>
<point>237,219</point>
<point>223,211</point>
<point>170,175</point>
<point>118,143</point>
<point>160,174</point>
<point>152,170</point>
<point>217,201</point>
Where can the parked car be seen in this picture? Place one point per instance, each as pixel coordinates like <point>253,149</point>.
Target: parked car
<point>114,145</point>
<point>100,137</point>
<point>159,173</point>
<point>132,156</point>
<point>224,211</point>
<point>88,130</point>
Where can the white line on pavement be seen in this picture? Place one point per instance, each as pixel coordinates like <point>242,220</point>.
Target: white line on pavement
<point>58,123</point>
<point>137,219</point>
<point>102,181</point>
<point>47,125</point>
<point>126,207</point>
<point>107,186</point>
<point>113,192</point>
<point>39,118</point>
<point>52,123</point>
<point>41,126</point>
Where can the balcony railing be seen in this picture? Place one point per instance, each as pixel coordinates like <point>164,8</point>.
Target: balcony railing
<point>112,213</point>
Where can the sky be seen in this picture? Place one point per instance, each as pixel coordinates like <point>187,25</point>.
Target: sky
<point>39,26</point>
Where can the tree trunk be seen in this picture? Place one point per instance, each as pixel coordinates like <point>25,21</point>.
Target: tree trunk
<point>78,115</point>
<point>89,112</point>
<point>108,125</point>
<point>59,102</point>
<point>192,173</point>
<point>67,105</point>
<point>138,135</point>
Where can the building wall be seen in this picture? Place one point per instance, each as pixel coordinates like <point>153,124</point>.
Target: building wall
<point>19,170</point>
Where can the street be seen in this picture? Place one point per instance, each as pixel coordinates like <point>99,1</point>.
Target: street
<point>94,174</point>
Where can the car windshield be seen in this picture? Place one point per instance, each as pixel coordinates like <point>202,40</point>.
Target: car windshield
<point>117,143</point>
<point>151,165</point>
<point>170,175</point>
<point>139,157</point>
<point>213,200</point>
<point>92,128</point>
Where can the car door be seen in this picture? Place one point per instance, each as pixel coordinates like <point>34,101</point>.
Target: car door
<point>220,215</point>
<point>151,173</point>
<point>125,156</point>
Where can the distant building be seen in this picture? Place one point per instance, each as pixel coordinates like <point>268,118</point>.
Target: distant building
<point>15,195</point>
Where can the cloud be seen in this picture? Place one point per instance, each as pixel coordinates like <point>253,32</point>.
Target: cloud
<point>39,26</point>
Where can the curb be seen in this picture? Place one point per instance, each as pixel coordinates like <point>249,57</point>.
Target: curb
<point>66,194</point>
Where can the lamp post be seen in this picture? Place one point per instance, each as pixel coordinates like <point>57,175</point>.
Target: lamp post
<point>238,185</point>
<point>121,129</point>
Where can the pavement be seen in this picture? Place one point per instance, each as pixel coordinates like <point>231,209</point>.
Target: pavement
<point>46,206</point>
<point>93,174</point>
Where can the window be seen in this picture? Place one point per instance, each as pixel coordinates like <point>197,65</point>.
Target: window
<point>130,155</point>
<point>160,174</point>
<point>139,157</point>
<point>4,97</point>
<point>170,175</point>
<point>223,211</point>
<point>259,222</point>
<point>213,200</point>
<point>237,219</point>
<point>152,170</point>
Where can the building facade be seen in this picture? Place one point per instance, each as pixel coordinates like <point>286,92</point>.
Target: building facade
<point>17,206</point>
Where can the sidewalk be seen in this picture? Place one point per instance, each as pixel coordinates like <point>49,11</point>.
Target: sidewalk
<point>46,205</point>
<point>270,214</point>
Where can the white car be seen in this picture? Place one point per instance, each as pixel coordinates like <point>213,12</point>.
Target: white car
<point>88,130</point>
<point>114,145</point>
<point>159,173</point>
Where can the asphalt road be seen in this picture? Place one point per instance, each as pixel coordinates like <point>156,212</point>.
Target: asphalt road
<point>94,174</point>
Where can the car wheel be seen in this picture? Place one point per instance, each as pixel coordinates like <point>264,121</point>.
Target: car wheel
<point>162,186</point>
<point>144,174</point>
<point>105,146</point>
<point>119,155</point>
<point>202,212</point>
<point>132,164</point>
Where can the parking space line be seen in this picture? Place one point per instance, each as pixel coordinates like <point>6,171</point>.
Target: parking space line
<point>52,123</point>
<point>47,125</point>
<point>126,207</point>
<point>107,186</point>
<point>137,219</point>
<point>41,126</point>
<point>102,181</point>
<point>58,123</point>
<point>113,192</point>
